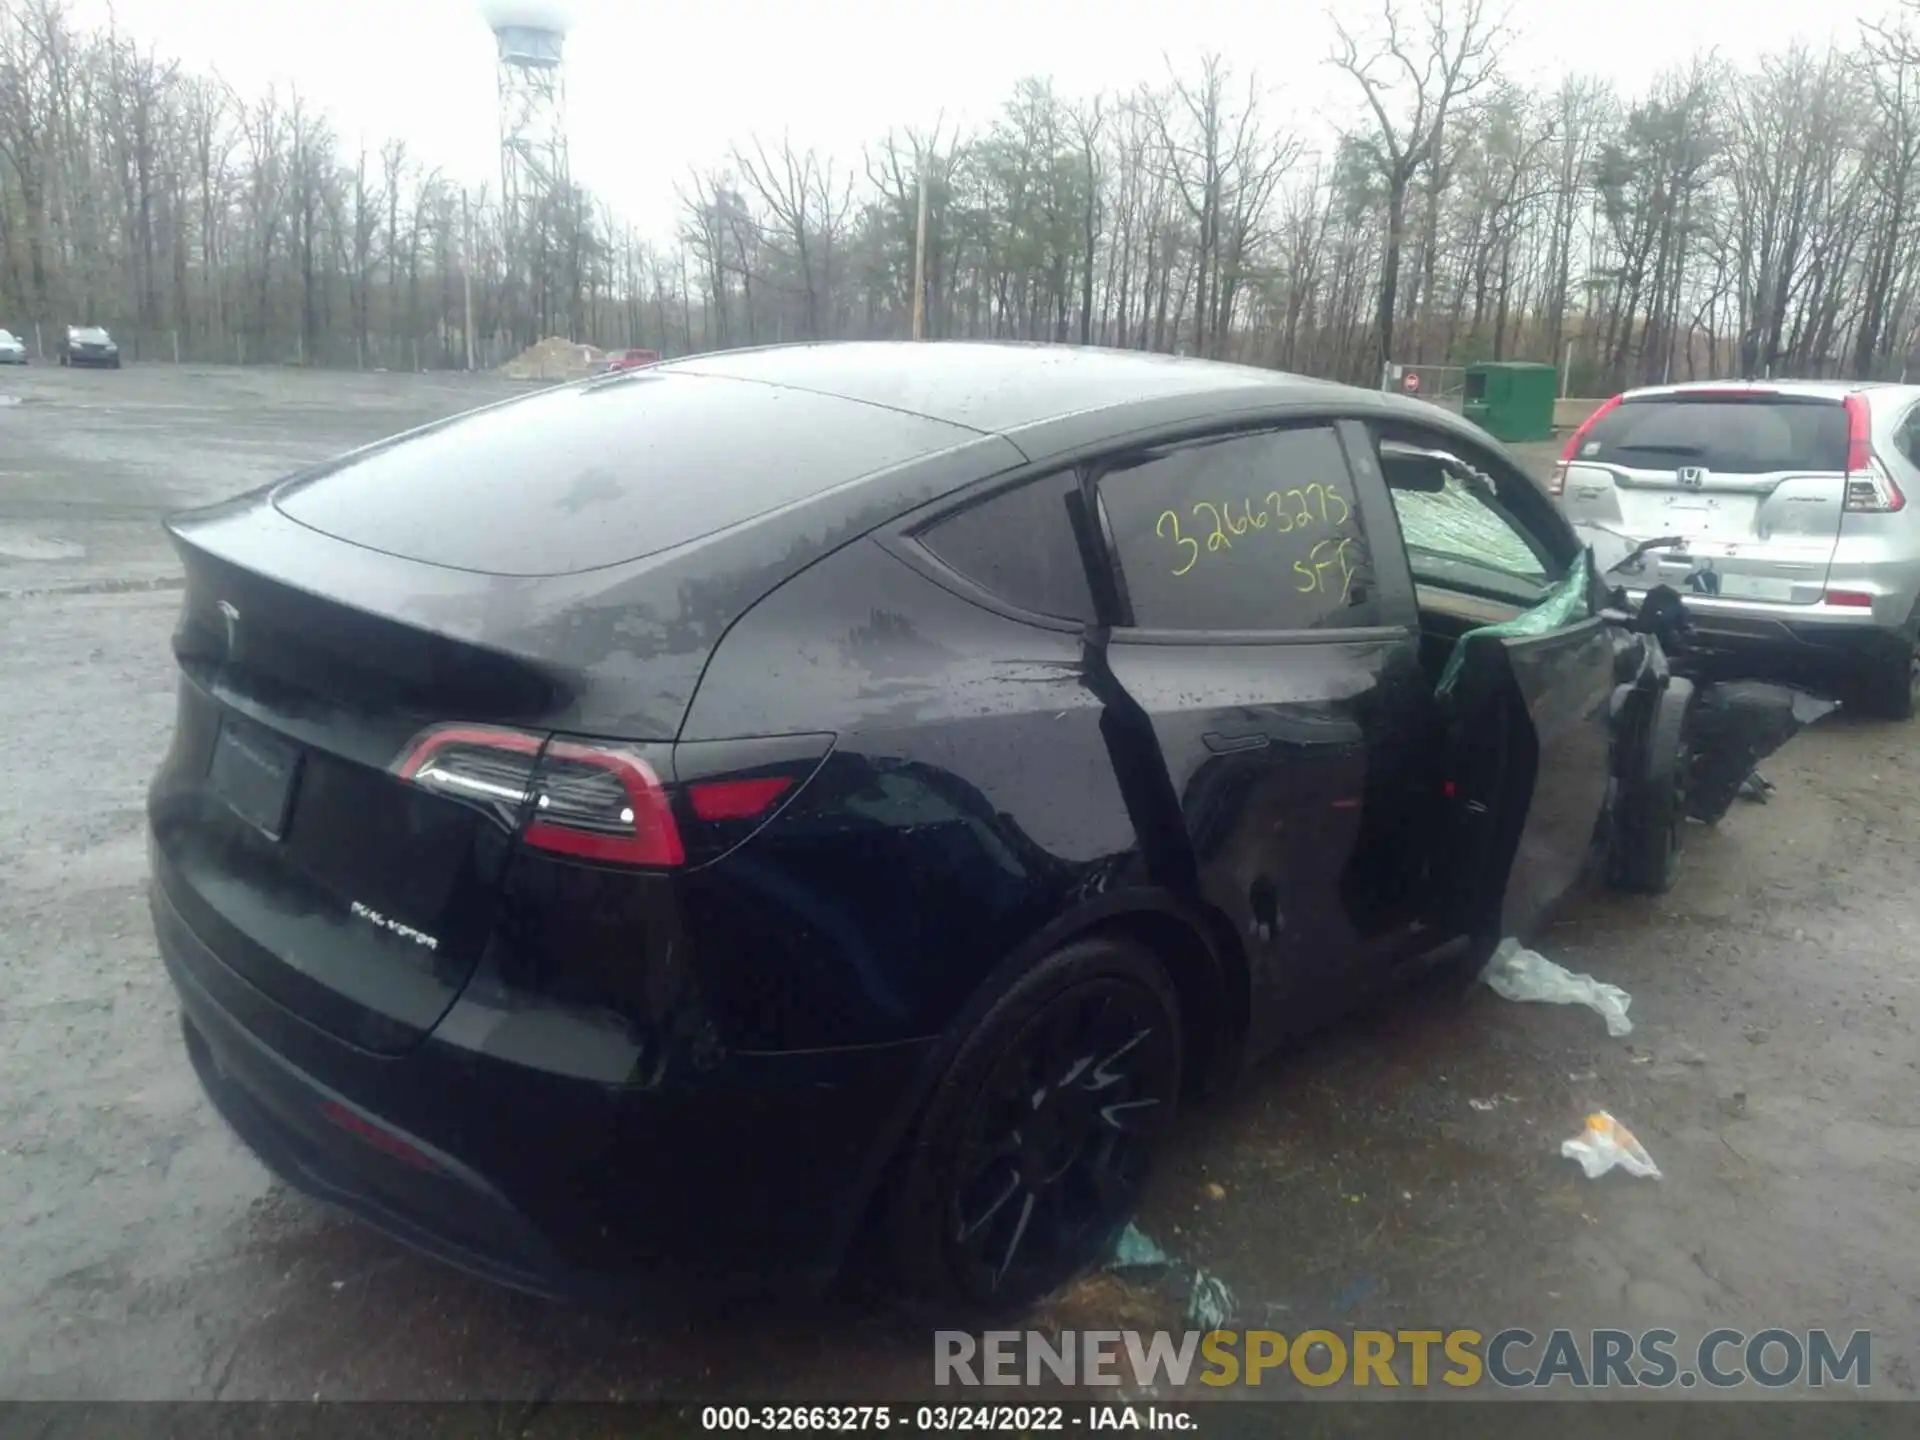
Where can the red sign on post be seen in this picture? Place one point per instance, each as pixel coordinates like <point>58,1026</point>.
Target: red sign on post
<point>1412,383</point>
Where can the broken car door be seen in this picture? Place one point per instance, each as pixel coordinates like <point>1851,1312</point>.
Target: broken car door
<point>1522,668</point>
<point>1279,718</point>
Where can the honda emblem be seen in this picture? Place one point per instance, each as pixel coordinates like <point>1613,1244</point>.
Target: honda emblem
<point>1692,476</point>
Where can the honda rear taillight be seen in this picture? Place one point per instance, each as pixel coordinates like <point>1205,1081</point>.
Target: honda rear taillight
<point>1870,489</point>
<point>1859,434</point>
<point>1557,482</point>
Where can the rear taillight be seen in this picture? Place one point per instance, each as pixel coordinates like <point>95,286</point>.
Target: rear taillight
<point>594,801</point>
<point>602,803</point>
<point>1557,482</point>
<point>483,765</point>
<point>605,800</point>
<point>1870,489</point>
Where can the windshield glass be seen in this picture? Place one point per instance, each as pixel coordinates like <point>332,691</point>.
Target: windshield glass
<point>89,332</point>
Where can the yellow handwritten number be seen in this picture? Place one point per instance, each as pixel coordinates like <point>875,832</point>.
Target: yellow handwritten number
<point>1193,546</point>
<point>1218,540</point>
<point>1286,520</point>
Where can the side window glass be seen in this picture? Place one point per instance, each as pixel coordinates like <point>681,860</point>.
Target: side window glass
<point>1250,532</point>
<point>1907,438</point>
<point>1460,533</point>
<point>1020,546</point>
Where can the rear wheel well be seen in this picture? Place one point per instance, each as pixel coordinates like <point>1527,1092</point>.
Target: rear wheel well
<point>1209,976</point>
<point>1211,981</point>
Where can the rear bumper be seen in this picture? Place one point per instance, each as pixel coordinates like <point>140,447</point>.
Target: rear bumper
<point>1806,634</point>
<point>564,1188</point>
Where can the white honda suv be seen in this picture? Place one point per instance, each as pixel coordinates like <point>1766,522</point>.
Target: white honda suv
<point>1792,505</point>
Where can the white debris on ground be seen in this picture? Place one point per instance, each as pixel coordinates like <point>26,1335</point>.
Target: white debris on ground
<point>1606,1143</point>
<point>1517,973</point>
<point>554,358</point>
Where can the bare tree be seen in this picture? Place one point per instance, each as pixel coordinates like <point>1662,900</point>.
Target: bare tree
<point>1424,76</point>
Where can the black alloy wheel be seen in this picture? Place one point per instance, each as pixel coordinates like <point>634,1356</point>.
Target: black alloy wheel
<point>1035,1147</point>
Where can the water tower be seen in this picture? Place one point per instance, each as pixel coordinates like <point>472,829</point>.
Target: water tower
<point>533,131</point>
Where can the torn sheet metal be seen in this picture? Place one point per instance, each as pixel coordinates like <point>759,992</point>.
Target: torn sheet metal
<point>1735,724</point>
<point>1517,973</point>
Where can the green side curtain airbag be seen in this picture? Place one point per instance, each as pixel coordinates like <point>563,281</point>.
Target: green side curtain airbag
<point>1566,604</point>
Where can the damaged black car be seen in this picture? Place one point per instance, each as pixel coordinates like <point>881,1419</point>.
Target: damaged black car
<point>681,827</point>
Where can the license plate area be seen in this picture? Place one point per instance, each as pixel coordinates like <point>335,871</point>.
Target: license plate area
<point>1755,587</point>
<point>253,773</point>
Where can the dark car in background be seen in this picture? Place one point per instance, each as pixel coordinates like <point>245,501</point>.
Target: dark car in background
<point>675,826</point>
<point>89,345</point>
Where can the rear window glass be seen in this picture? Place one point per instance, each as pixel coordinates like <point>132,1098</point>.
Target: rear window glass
<point>1736,437</point>
<point>581,477</point>
<point>1020,545</point>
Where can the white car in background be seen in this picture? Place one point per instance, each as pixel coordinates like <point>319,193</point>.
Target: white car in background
<point>12,350</point>
<point>1793,511</point>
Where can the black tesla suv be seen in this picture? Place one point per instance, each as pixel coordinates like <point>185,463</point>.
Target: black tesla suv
<point>667,827</point>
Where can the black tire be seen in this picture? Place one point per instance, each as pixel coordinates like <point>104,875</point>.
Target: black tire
<point>63,360</point>
<point>1888,687</point>
<point>1650,816</point>
<point>1016,1179</point>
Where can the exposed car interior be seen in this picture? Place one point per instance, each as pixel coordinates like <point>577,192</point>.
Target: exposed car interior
<point>1474,563</point>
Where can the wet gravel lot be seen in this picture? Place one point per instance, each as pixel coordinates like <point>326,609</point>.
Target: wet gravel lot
<point>1403,1171</point>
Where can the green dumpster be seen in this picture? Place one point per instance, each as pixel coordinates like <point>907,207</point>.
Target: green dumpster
<point>1511,399</point>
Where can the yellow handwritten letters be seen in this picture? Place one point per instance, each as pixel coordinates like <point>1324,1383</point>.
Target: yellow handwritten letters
<point>1327,566</point>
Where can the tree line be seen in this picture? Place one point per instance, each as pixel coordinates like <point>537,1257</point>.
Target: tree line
<point>1726,220</point>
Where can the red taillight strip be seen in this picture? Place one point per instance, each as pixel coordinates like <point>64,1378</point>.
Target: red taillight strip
<point>1573,441</point>
<point>378,1137</point>
<point>1859,434</point>
<point>736,799</point>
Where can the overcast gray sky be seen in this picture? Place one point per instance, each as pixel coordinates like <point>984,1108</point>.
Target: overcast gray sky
<point>654,86</point>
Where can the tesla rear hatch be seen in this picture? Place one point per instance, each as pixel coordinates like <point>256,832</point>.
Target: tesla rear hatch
<point>376,658</point>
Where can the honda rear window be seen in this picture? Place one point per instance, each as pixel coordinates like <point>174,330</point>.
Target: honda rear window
<point>582,477</point>
<point>1733,436</point>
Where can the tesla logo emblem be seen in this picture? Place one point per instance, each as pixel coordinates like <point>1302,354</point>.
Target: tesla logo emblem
<point>1692,476</point>
<point>232,618</point>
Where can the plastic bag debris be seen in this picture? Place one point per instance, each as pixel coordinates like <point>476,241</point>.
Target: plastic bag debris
<point>1209,1301</point>
<point>1211,1304</point>
<point>1517,973</point>
<point>1137,1251</point>
<point>1606,1143</point>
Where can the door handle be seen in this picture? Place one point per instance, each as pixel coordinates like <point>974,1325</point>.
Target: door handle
<point>1233,744</point>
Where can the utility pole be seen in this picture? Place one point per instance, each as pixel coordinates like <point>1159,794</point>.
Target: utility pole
<point>466,269</point>
<point>920,259</point>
